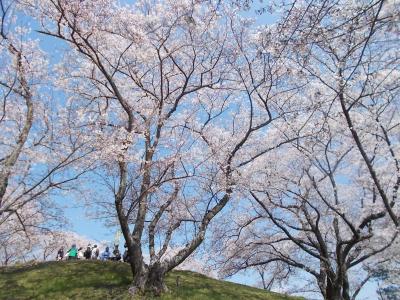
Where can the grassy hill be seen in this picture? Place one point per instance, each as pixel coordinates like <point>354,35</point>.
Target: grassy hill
<point>110,280</point>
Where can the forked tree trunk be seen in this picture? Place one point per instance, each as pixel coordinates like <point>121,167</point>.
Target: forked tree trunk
<point>333,291</point>
<point>156,279</point>
<point>151,279</point>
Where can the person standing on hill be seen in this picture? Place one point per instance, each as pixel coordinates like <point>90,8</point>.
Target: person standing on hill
<point>95,252</point>
<point>73,253</point>
<point>88,252</point>
<point>60,254</point>
<point>80,253</point>
<point>116,254</point>
<point>106,254</point>
<point>125,257</point>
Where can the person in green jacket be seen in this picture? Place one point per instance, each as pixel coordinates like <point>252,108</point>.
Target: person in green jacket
<point>73,252</point>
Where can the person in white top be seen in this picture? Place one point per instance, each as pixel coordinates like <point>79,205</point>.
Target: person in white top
<point>80,253</point>
<point>95,252</point>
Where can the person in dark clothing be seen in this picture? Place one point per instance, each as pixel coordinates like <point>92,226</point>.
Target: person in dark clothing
<point>88,252</point>
<point>126,254</point>
<point>60,254</point>
<point>116,254</point>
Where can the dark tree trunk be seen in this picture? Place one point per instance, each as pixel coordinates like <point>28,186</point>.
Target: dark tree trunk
<point>139,272</point>
<point>150,279</point>
<point>333,291</point>
<point>333,294</point>
<point>156,279</point>
<point>346,289</point>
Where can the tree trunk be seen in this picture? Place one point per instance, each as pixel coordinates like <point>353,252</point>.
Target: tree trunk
<point>140,280</point>
<point>150,279</point>
<point>346,288</point>
<point>156,279</point>
<point>333,291</point>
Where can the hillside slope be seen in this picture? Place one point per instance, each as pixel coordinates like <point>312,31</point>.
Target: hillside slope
<point>110,280</point>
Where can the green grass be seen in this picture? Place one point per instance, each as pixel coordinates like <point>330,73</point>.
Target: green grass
<point>110,280</point>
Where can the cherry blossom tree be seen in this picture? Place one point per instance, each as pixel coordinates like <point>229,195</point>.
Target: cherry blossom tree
<point>38,245</point>
<point>346,185</point>
<point>189,110</point>
<point>388,278</point>
<point>317,217</point>
<point>177,96</point>
<point>17,242</point>
<point>350,49</point>
<point>37,152</point>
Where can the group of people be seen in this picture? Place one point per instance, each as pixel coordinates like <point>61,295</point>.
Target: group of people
<point>78,253</point>
<point>92,253</point>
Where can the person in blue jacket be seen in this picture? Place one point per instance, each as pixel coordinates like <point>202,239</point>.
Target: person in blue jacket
<point>106,254</point>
